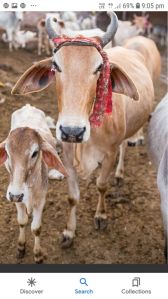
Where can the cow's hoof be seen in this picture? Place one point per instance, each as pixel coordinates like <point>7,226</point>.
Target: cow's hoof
<point>21,250</point>
<point>132,144</point>
<point>39,257</point>
<point>21,253</point>
<point>100,223</point>
<point>66,241</point>
<point>141,142</point>
<point>119,182</point>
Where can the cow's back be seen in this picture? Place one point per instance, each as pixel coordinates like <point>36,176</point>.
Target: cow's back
<point>148,49</point>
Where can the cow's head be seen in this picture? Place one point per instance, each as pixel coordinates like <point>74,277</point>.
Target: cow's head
<point>77,69</point>
<point>19,15</point>
<point>23,152</point>
<point>141,23</point>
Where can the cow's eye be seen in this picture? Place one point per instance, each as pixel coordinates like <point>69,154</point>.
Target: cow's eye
<point>99,68</point>
<point>56,67</point>
<point>34,155</point>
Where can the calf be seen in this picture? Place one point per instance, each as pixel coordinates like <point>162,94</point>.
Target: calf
<point>43,40</point>
<point>28,152</point>
<point>10,22</point>
<point>158,151</point>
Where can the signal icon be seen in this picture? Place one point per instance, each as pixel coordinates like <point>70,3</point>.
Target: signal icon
<point>118,6</point>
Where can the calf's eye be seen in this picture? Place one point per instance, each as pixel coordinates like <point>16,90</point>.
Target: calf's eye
<point>34,155</point>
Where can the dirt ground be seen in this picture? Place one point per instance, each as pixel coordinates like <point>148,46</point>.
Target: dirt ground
<point>134,233</point>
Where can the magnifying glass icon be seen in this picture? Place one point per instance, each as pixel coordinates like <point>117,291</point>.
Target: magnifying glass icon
<point>83,281</point>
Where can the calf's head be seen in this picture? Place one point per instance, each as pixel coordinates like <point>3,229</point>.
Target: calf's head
<point>22,153</point>
<point>77,70</point>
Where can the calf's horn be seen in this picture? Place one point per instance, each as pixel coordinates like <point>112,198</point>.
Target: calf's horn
<point>111,30</point>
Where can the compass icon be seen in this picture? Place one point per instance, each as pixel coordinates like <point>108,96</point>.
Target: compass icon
<point>31,282</point>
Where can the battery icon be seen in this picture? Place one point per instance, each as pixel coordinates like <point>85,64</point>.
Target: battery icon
<point>138,5</point>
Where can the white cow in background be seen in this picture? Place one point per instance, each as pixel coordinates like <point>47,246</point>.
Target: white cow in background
<point>22,38</point>
<point>11,22</point>
<point>158,150</point>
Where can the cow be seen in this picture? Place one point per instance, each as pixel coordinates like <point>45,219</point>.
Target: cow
<point>61,26</point>
<point>28,152</point>
<point>148,49</point>
<point>158,151</point>
<point>143,23</point>
<point>159,35</point>
<point>77,66</point>
<point>22,38</point>
<point>11,22</point>
<point>43,40</point>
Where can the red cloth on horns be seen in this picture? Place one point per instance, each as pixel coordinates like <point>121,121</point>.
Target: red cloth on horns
<point>103,101</point>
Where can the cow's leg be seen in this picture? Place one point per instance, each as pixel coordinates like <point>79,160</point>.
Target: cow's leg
<point>164,210</point>
<point>119,174</point>
<point>46,40</point>
<point>102,181</point>
<point>74,195</point>
<point>10,39</point>
<point>36,230</point>
<point>165,250</point>
<point>39,43</point>
<point>137,138</point>
<point>162,182</point>
<point>22,219</point>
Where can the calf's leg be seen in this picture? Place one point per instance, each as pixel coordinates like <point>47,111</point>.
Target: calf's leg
<point>36,230</point>
<point>22,219</point>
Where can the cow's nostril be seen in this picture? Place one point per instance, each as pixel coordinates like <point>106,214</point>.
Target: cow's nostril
<point>72,134</point>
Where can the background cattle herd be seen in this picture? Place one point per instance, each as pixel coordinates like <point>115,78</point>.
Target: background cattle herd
<point>137,213</point>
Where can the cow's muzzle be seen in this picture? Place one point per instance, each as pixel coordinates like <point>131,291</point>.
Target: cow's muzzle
<point>16,198</point>
<point>72,134</point>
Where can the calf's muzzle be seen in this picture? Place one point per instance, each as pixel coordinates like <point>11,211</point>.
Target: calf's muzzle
<point>72,134</point>
<point>16,198</point>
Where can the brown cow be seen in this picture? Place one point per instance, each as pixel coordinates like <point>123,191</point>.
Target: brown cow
<point>77,72</point>
<point>152,60</point>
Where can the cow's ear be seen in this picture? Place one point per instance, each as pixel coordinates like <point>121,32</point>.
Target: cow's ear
<point>122,83</point>
<point>52,159</point>
<point>62,24</point>
<point>3,153</point>
<point>36,78</point>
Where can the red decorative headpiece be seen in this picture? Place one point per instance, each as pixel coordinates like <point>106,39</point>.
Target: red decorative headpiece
<point>103,102</point>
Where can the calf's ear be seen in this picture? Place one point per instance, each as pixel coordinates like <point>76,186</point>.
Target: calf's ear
<point>36,78</point>
<point>52,159</point>
<point>122,83</point>
<point>3,153</point>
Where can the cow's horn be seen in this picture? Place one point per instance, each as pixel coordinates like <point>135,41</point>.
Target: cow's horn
<point>50,28</point>
<point>111,30</point>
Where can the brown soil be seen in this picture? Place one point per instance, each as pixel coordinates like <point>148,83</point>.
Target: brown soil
<point>134,233</point>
